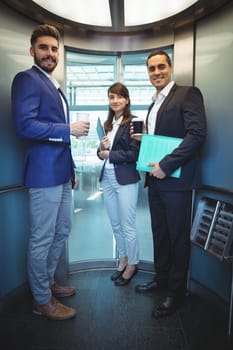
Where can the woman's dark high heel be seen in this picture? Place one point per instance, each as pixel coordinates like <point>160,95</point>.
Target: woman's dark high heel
<point>117,274</point>
<point>124,281</point>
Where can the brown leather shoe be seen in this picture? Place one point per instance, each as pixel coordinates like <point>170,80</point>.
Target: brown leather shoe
<point>54,310</point>
<point>62,291</point>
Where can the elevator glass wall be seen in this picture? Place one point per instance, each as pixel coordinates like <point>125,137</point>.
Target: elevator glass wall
<point>87,80</point>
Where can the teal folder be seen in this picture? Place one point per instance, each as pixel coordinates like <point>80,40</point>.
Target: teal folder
<point>153,148</point>
<point>100,129</point>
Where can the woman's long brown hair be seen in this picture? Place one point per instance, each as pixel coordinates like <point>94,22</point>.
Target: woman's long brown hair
<point>121,90</point>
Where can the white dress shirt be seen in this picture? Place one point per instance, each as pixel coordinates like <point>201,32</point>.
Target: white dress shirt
<point>158,99</point>
<point>111,135</point>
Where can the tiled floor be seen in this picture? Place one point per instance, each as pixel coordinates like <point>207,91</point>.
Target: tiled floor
<point>112,318</point>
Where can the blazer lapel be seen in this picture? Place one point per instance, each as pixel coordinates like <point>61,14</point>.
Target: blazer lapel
<point>67,106</point>
<point>56,92</point>
<point>163,106</point>
<point>149,109</point>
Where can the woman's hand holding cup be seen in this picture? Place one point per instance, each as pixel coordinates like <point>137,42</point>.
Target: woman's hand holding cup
<point>137,128</point>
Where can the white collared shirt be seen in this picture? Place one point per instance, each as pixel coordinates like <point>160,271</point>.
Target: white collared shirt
<point>111,135</point>
<point>158,99</point>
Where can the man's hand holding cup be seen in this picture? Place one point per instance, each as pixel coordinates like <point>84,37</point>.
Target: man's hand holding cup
<point>81,127</point>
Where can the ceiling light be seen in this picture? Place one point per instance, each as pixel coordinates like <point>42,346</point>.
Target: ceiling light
<point>139,12</point>
<point>98,12</point>
<point>89,12</point>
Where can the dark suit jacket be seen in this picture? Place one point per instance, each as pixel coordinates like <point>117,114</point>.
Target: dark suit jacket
<point>123,155</point>
<point>182,115</point>
<point>39,117</point>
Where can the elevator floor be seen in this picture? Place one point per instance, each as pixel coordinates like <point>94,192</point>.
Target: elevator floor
<point>112,318</point>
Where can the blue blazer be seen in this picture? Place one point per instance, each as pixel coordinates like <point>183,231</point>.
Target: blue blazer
<point>123,155</point>
<point>182,114</point>
<point>40,119</point>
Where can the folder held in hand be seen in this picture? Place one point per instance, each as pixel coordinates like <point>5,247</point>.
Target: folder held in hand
<point>99,129</point>
<point>153,148</point>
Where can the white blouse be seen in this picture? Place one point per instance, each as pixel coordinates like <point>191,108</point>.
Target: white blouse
<point>111,135</point>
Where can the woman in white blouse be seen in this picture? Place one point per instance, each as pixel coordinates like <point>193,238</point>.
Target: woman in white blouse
<point>119,179</point>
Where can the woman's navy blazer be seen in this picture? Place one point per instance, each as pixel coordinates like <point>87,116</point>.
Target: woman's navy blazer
<point>123,155</point>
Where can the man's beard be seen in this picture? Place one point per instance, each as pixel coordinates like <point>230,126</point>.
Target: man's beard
<point>46,68</point>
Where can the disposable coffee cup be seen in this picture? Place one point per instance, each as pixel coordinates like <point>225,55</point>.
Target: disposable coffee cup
<point>84,117</point>
<point>137,126</point>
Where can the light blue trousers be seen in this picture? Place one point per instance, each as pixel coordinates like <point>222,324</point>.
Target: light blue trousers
<point>121,202</point>
<point>50,215</point>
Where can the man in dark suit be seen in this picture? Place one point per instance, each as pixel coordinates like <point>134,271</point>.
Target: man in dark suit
<point>41,116</point>
<point>176,111</point>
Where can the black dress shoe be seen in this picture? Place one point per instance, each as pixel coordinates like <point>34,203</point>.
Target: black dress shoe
<point>117,274</point>
<point>124,281</point>
<point>167,307</point>
<point>150,286</point>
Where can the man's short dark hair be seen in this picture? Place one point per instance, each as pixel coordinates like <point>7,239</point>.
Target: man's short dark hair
<point>44,30</point>
<point>159,52</point>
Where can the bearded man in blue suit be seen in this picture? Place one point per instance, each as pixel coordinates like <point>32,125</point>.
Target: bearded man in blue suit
<point>41,115</point>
